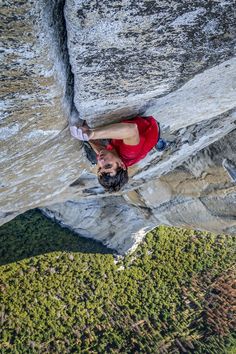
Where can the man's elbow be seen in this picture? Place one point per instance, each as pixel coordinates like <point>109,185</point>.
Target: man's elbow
<point>133,130</point>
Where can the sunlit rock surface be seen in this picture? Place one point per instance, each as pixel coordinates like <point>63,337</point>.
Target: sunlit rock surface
<point>111,59</point>
<point>37,153</point>
<point>124,54</point>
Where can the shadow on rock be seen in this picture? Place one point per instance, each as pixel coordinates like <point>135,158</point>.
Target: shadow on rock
<point>32,234</point>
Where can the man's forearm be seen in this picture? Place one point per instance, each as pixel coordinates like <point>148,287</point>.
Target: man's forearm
<point>114,131</point>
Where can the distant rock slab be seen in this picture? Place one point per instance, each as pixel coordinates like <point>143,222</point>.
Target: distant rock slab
<point>124,54</point>
<point>110,220</point>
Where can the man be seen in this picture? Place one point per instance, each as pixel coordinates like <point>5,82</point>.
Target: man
<point>130,142</point>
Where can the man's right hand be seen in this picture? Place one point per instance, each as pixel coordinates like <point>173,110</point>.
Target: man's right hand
<point>82,133</point>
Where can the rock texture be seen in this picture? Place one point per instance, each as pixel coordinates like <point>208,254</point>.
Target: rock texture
<point>107,60</point>
<point>124,54</point>
<point>36,99</point>
<point>111,220</point>
<point>198,194</point>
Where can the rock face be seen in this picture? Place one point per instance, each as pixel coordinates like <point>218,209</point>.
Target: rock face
<point>111,59</point>
<point>198,194</point>
<point>111,220</point>
<point>124,54</point>
<point>36,100</point>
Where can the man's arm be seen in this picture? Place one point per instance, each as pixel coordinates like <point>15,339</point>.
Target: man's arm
<point>128,132</point>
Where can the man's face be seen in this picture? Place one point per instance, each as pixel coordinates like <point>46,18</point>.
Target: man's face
<point>108,162</point>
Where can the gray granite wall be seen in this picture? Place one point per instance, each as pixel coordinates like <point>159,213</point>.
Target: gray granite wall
<point>125,54</point>
<point>111,59</point>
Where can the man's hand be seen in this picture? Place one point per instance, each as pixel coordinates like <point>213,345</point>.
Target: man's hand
<point>83,133</point>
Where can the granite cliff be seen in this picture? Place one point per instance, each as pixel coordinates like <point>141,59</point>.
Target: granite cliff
<point>108,60</point>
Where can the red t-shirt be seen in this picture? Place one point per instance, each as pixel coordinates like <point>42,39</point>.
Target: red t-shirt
<point>149,135</point>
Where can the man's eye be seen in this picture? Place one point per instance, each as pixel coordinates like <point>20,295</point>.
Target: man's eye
<point>108,166</point>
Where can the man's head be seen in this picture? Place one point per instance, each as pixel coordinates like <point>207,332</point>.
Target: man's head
<point>112,172</point>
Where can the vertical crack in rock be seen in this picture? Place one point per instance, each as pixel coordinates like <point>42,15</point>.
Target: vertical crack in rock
<point>55,20</point>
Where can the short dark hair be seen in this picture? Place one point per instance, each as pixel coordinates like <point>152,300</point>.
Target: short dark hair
<point>113,183</point>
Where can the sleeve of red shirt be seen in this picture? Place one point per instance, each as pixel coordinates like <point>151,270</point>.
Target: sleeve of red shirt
<point>149,135</point>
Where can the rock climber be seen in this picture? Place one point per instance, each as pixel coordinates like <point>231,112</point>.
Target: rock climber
<point>130,141</point>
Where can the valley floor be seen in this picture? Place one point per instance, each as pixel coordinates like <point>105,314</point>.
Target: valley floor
<point>65,294</point>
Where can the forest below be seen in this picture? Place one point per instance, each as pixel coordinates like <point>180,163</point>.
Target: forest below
<point>61,293</point>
